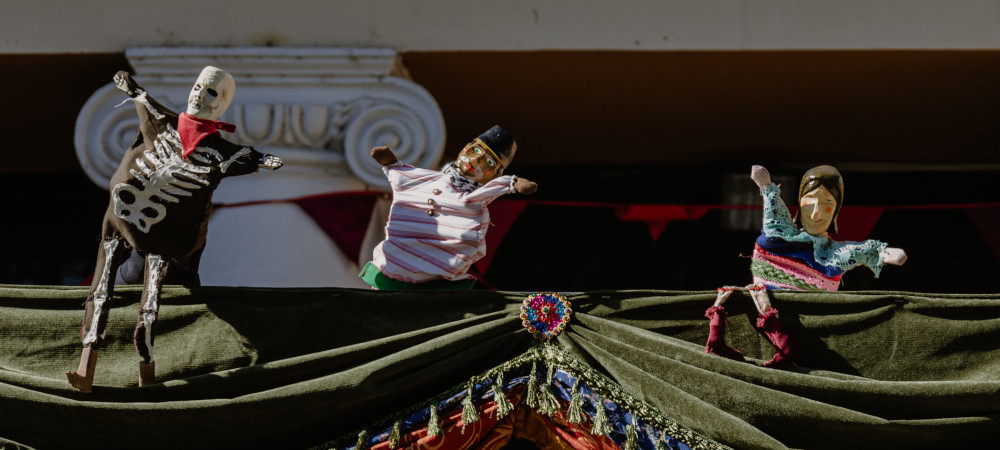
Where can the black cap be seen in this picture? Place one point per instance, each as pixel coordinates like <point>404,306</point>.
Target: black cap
<point>499,141</point>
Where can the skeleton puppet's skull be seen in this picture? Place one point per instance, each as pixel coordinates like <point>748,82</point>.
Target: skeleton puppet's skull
<point>211,94</point>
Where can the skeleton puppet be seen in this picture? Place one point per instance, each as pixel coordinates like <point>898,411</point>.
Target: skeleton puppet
<point>161,198</point>
<point>438,219</point>
<point>798,254</point>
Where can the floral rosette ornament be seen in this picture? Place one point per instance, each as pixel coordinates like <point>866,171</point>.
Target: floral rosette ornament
<point>545,314</point>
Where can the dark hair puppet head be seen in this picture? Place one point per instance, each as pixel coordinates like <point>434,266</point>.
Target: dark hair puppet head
<point>824,176</point>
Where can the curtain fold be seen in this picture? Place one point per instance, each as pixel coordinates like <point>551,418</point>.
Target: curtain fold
<point>297,368</point>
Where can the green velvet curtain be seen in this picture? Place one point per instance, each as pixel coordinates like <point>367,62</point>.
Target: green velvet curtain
<point>295,368</point>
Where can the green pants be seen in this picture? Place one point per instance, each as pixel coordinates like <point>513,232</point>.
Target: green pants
<point>374,277</point>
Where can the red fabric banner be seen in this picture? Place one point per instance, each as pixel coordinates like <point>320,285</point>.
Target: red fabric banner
<point>343,217</point>
<point>657,217</point>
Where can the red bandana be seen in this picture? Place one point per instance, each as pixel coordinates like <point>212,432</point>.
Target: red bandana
<point>192,130</point>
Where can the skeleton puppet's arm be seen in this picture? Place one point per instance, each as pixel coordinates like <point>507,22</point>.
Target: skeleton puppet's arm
<point>127,84</point>
<point>270,162</point>
<point>235,159</point>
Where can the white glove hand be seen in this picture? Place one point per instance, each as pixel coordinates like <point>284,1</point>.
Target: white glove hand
<point>761,176</point>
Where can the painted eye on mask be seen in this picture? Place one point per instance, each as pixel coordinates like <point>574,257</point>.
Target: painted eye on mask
<point>490,162</point>
<point>478,150</point>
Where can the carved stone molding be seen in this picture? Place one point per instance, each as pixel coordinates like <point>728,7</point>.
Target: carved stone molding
<point>320,109</point>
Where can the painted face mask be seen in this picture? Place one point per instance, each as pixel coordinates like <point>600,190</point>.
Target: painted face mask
<point>211,94</point>
<point>477,163</point>
<point>821,193</point>
<point>818,209</point>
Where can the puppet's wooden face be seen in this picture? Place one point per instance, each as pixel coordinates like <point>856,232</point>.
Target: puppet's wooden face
<point>211,94</point>
<point>478,164</point>
<point>818,208</point>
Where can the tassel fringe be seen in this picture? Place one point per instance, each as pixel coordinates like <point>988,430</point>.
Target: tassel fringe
<point>540,395</point>
<point>632,432</point>
<point>362,440</point>
<point>548,404</point>
<point>394,434</point>
<point>601,424</point>
<point>532,397</point>
<point>434,423</point>
<point>575,414</point>
<point>661,443</point>
<point>469,414</point>
<point>503,406</point>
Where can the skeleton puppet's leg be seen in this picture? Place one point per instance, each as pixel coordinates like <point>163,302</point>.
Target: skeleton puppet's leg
<point>95,319</point>
<point>156,270</point>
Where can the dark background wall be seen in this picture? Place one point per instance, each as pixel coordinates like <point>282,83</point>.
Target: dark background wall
<point>697,107</point>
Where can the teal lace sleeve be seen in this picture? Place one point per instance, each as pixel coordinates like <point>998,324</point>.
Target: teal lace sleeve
<point>848,255</point>
<point>777,219</point>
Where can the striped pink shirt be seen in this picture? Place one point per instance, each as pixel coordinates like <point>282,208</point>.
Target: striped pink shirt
<point>434,231</point>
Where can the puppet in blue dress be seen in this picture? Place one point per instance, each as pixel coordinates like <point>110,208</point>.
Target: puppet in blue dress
<point>797,253</point>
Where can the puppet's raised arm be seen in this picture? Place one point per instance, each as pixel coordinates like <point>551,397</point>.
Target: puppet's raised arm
<point>777,219</point>
<point>383,156</point>
<point>128,85</point>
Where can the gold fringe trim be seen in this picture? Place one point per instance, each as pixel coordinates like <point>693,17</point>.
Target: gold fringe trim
<point>542,399</point>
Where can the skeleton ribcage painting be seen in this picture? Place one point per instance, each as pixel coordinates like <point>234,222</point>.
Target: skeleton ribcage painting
<point>165,176</point>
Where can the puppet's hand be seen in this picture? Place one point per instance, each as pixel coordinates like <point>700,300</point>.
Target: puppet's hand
<point>126,84</point>
<point>761,176</point>
<point>384,156</point>
<point>271,162</point>
<point>893,255</point>
<point>525,186</point>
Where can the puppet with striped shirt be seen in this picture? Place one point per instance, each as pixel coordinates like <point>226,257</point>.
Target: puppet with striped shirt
<point>438,219</point>
<point>797,253</point>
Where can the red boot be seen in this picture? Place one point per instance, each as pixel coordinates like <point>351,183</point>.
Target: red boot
<point>788,351</point>
<point>717,335</point>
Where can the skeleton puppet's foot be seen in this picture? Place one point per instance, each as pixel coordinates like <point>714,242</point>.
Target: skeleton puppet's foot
<point>83,378</point>
<point>147,373</point>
